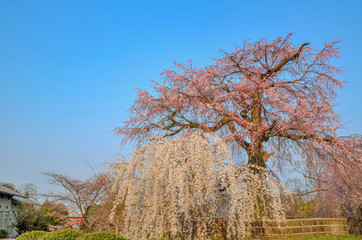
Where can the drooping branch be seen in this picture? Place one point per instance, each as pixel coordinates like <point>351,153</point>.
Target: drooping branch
<point>190,183</point>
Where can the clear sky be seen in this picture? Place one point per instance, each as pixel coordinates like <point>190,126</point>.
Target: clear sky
<point>69,69</point>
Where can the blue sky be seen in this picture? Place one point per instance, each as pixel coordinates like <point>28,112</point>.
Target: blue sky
<point>69,69</point>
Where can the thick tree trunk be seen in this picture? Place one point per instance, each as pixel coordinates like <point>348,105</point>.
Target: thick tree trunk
<point>257,157</point>
<point>257,190</point>
<point>256,153</point>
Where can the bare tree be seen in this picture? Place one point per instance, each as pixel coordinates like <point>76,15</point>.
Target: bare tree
<point>84,195</point>
<point>29,190</point>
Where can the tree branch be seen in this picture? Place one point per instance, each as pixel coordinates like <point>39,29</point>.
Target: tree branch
<point>286,60</point>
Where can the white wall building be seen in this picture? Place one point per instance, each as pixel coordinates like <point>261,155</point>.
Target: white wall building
<point>9,201</point>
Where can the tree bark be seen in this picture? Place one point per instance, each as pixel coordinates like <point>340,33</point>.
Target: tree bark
<point>257,157</point>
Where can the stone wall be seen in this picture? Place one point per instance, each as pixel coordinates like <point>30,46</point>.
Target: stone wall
<point>300,227</point>
<point>7,222</point>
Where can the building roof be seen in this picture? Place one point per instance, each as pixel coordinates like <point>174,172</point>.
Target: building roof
<point>24,200</point>
<point>8,191</point>
<point>16,196</point>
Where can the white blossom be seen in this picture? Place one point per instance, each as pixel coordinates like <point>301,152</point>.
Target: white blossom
<point>188,187</point>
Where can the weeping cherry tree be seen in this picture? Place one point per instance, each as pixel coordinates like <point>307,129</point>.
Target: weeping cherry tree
<point>188,187</point>
<point>271,101</point>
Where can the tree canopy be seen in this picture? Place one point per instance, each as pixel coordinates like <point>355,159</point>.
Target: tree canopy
<point>269,100</point>
<point>266,99</point>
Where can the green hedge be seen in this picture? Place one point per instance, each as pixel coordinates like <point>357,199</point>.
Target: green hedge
<point>69,234</point>
<point>33,235</point>
<point>62,234</point>
<point>3,233</point>
<point>101,236</point>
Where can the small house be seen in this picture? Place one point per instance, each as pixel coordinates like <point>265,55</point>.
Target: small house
<point>9,202</point>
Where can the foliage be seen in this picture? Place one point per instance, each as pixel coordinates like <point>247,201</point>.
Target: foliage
<point>30,218</point>
<point>62,234</point>
<point>33,235</point>
<point>101,236</point>
<point>185,185</point>
<point>3,233</point>
<point>56,213</point>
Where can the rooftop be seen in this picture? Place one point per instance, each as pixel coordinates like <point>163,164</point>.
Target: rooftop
<point>16,196</point>
<point>8,191</point>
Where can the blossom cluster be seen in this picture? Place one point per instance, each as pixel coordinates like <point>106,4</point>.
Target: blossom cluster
<point>188,186</point>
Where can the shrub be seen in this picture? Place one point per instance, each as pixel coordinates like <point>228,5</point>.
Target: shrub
<point>45,236</point>
<point>101,236</point>
<point>3,233</point>
<point>62,234</point>
<point>33,235</point>
<point>29,218</point>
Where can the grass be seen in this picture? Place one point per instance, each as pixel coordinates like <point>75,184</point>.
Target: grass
<point>347,237</point>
